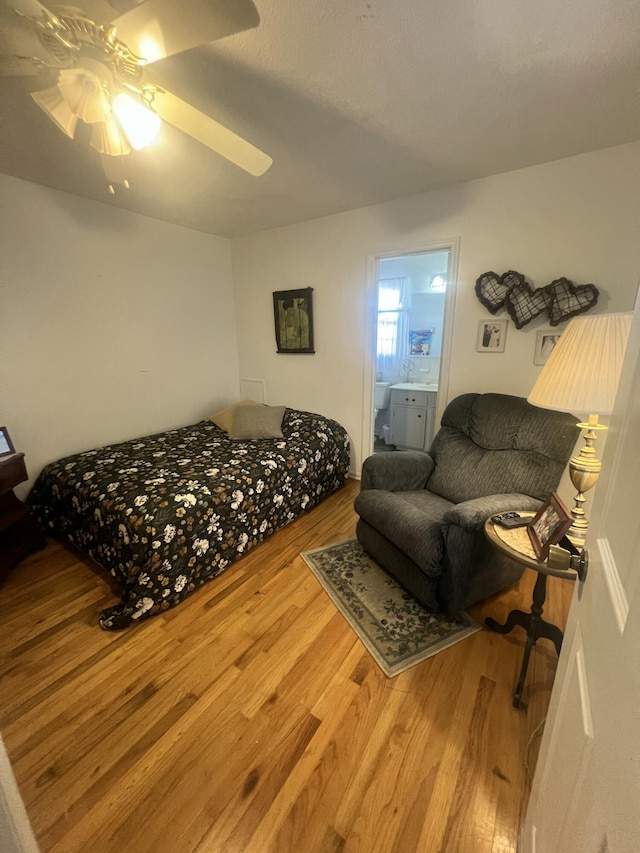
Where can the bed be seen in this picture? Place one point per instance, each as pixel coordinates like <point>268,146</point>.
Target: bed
<point>166,513</point>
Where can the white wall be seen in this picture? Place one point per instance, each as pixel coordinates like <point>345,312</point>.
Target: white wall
<point>578,217</point>
<point>112,325</point>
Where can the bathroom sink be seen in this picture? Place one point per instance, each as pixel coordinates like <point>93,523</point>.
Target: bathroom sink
<point>415,386</point>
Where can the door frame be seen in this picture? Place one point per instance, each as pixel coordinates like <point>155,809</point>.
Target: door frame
<point>15,828</point>
<point>452,246</point>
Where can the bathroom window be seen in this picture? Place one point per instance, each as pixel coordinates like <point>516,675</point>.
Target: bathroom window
<point>392,324</point>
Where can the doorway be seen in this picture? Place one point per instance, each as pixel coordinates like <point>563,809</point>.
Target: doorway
<point>411,344</point>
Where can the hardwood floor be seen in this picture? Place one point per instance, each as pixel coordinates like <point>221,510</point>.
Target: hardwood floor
<point>251,718</point>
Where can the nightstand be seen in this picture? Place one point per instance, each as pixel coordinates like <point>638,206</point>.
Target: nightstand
<point>20,533</point>
<point>515,544</point>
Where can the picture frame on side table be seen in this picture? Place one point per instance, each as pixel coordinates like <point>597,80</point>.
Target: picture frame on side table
<point>6,445</point>
<point>293,316</point>
<point>546,339</point>
<point>492,335</point>
<point>548,525</point>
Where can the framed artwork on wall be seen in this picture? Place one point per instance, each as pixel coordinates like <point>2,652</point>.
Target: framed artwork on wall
<point>492,335</point>
<point>293,316</point>
<point>546,339</point>
<point>420,341</point>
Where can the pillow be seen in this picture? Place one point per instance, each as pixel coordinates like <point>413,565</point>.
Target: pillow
<point>257,422</point>
<point>224,418</point>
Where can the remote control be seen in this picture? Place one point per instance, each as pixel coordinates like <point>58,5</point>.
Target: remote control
<point>510,520</point>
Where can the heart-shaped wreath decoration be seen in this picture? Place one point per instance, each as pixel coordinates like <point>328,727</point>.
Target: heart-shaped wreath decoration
<point>492,289</point>
<point>569,299</point>
<point>562,299</point>
<point>524,304</point>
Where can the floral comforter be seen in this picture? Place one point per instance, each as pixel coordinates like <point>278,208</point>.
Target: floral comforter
<point>168,512</point>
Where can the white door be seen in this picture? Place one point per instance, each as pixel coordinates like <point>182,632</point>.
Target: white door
<point>586,791</point>
<point>16,835</point>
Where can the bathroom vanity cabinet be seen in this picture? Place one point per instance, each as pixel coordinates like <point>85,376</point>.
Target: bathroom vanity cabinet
<point>413,416</point>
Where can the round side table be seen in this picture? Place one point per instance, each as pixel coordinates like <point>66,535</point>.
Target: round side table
<point>516,545</point>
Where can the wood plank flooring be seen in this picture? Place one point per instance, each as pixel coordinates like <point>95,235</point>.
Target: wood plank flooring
<point>251,718</point>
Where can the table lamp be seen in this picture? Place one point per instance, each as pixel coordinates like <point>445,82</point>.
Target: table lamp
<point>581,376</point>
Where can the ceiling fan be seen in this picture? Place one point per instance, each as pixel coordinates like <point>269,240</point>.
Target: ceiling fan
<point>101,59</point>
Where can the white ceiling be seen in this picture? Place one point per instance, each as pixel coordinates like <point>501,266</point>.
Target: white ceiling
<point>360,102</point>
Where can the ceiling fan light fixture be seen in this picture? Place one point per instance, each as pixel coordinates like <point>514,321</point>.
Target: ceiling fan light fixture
<point>84,93</point>
<point>117,171</point>
<point>140,124</point>
<point>58,110</point>
<point>101,67</point>
<point>108,138</point>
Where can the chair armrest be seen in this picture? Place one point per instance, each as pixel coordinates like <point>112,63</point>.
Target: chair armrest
<point>399,471</point>
<point>473,514</point>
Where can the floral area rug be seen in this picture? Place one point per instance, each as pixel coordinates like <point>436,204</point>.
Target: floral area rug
<point>395,629</point>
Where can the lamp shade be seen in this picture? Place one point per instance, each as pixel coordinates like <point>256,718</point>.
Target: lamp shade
<point>58,110</point>
<point>107,138</point>
<point>140,124</point>
<point>84,93</point>
<point>582,372</point>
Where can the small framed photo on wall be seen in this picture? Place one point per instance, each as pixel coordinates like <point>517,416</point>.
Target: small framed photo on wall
<point>492,335</point>
<point>546,339</point>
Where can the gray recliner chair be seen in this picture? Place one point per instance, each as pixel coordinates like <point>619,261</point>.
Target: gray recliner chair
<point>421,516</point>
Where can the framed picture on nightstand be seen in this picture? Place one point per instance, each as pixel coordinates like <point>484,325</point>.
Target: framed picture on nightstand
<point>6,445</point>
<point>548,525</point>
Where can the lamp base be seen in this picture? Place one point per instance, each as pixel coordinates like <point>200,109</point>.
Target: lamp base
<point>584,470</point>
<point>577,537</point>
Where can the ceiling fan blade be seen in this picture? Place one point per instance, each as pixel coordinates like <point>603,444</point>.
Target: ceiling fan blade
<point>18,39</point>
<point>159,28</point>
<point>100,11</point>
<point>210,133</point>
<point>29,8</point>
